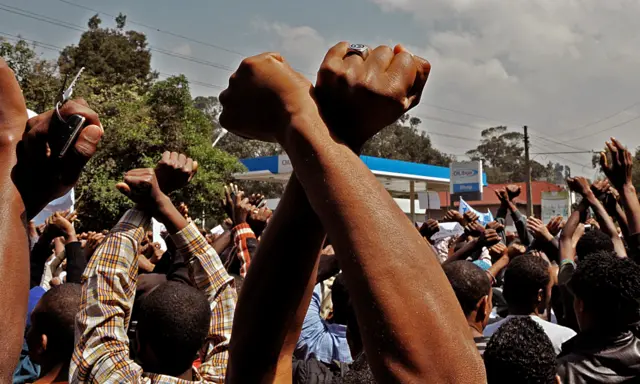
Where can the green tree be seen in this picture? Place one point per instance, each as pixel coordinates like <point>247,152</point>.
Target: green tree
<point>113,55</point>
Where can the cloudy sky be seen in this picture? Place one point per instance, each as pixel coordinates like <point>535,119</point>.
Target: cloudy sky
<point>566,68</point>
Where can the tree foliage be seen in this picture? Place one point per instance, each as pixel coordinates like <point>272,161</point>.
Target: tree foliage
<point>141,118</point>
<point>502,153</point>
<point>115,56</point>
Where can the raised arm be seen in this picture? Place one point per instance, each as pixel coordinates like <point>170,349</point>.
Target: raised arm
<point>380,251</point>
<point>618,169</point>
<point>29,180</point>
<point>102,348</point>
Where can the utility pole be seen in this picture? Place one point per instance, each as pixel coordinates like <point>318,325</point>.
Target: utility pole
<point>528,170</point>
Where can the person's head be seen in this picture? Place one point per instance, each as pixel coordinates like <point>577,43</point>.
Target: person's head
<point>51,335</point>
<point>473,290</point>
<point>173,323</point>
<point>593,241</point>
<point>607,292</point>
<point>340,300</point>
<point>520,352</point>
<point>527,285</point>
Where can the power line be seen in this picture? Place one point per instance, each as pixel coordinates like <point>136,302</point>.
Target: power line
<point>559,143</point>
<point>64,24</point>
<point>158,29</point>
<point>170,33</point>
<point>608,129</point>
<point>602,119</point>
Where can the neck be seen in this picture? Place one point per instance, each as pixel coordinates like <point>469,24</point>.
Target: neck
<point>476,329</point>
<point>519,311</point>
<point>54,372</point>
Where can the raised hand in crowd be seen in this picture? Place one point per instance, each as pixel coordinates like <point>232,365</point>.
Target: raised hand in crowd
<point>184,210</point>
<point>474,229</point>
<point>488,238</point>
<point>259,218</point>
<point>61,224</point>
<point>470,217</point>
<point>429,228</point>
<point>581,185</point>
<point>496,226</point>
<point>554,226</point>
<point>388,85</point>
<point>237,206</point>
<point>539,230</point>
<point>453,216</point>
<point>617,163</point>
<point>513,191</point>
<point>93,241</point>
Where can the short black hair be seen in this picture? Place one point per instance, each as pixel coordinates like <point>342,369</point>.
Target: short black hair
<point>469,282</point>
<point>55,317</point>
<point>609,286</point>
<point>520,352</point>
<point>593,241</point>
<point>524,277</point>
<point>174,322</point>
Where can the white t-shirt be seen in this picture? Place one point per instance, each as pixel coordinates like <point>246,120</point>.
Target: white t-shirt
<point>557,333</point>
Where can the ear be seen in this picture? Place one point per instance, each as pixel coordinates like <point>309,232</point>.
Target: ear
<point>483,309</point>
<point>43,343</point>
<point>541,296</point>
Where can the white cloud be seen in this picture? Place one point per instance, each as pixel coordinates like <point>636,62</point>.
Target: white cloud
<point>555,65</point>
<point>301,45</point>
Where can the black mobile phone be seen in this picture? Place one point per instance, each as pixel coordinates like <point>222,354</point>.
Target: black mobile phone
<point>63,134</point>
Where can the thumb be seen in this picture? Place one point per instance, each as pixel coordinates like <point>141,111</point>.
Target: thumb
<point>124,189</point>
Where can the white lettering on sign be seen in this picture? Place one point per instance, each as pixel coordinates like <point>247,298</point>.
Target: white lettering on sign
<point>284,164</point>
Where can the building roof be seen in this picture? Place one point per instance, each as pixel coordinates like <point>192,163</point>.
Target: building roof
<point>489,197</point>
<point>395,175</point>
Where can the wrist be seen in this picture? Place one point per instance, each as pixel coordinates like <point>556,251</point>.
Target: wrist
<point>304,128</point>
<point>166,213</point>
<point>70,238</point>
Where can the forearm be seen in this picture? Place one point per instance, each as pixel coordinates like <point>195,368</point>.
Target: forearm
<point>285,262</point>
<point>497,267</point>
<point>76,262</point>
<point>39,255</point>
<point>623,222</point>
<point>631,206</point>
<point>376,245</point>
<point>606,224</point>
<point>567,250</point>
<point>14,269</point>
<point>520,222</point>
<point>464,252</point>
<point>246,244</point>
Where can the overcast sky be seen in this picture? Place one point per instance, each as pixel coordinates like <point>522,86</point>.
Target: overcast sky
<point>566,68</point>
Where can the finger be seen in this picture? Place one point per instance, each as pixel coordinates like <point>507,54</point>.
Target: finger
<point>380,58</point>
<point>195,166</point>
<point>124,189</point>
<point>182,160</point>
<point>166,156</point>
<point>173,157</point>
<point>84,148</point>
<point>403,71</point>
<point>356,59</point>
<point>604,163</point>
<point>188,167</point>
<point>227,195</point>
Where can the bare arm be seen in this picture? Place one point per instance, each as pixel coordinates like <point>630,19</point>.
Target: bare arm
<point>14,241</point>
<point>606,223</point>
<point>285,262</point>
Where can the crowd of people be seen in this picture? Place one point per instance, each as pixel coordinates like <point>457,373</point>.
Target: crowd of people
<point>336,285</point>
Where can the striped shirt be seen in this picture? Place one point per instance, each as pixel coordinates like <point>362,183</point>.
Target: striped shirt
<point>101,354</point>
<point>481,343</point>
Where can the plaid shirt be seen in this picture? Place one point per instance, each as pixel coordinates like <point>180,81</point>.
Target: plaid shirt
<point>109,283</point>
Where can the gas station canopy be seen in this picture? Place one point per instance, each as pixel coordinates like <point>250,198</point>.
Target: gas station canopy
<point>396,176</point>
<point>400,178</point>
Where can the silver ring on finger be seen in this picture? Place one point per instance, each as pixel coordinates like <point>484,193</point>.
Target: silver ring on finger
<point>358,49</point>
